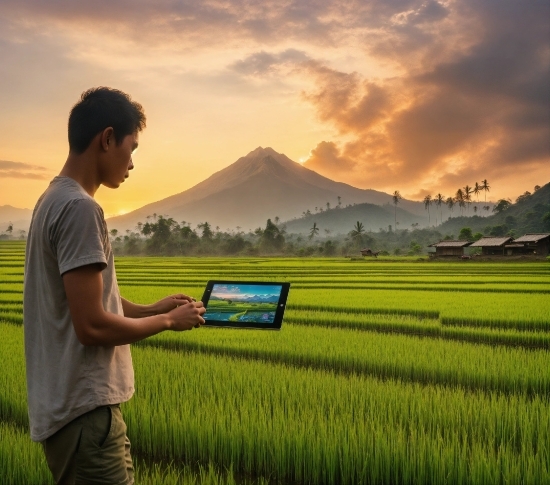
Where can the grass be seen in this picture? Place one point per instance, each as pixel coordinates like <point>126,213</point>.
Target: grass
<point>383,372</point>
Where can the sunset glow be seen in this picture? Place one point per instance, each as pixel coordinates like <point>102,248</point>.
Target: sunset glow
<point>417,96</point>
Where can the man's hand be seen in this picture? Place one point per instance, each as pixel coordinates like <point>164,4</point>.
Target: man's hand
<point>170,302</point>
<point>187,316</point>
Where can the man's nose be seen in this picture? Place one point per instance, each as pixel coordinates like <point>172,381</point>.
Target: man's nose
<point>131,165</point>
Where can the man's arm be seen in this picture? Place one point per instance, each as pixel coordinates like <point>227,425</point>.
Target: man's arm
<point>95,326</point>
<point>134,310</point>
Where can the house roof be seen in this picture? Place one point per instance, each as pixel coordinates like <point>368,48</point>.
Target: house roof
<point>450,244</point>
<point>491,242</point>
<point>532,237</point>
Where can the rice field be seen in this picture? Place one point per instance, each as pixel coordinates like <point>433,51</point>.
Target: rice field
<point>383,372</point>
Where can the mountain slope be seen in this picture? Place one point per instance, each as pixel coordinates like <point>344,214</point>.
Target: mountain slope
<point>342,220</point>
<point>263,184</point>
<point>522,217</point>
<point>20,218</point>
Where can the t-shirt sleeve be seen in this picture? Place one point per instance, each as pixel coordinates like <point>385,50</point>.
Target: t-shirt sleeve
<point>78,236</point>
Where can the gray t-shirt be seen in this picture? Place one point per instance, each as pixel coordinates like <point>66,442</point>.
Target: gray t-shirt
<point>65,378</point>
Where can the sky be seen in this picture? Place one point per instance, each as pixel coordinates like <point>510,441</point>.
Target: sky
<point>245,291</point>
<point>423,97</point>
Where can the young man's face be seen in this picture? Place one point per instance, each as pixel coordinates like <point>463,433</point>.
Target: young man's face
<point>118,161</point>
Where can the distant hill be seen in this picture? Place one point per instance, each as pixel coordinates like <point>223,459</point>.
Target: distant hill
<point>20,218</point>
<point>521,217</point>
<point>261,185</point>
<point>341,220</point>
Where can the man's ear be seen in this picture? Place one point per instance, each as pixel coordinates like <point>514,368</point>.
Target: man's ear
<point>107,138</point>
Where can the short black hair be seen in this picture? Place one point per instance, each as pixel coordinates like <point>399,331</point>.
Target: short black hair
<point>101,108</point>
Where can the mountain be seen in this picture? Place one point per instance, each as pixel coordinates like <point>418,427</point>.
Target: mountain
<point>261,185</point>
<point>342,220</point>
<point>256,299</point>
<point>19,218</point>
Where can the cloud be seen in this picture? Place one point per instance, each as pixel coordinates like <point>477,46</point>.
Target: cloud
<point>262,63</point>
<point>466,97</point>
<point>188,23</point>
<point>20,170</point>
<point>326,157</point>
<point>456,114</point>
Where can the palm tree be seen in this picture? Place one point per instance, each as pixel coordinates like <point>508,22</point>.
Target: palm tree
<point>477,190</point>
<point>396,198</point>
<point>357,230</point>
<point>459,199</point>
<point>314,231</point>
<point>440,199</point>
<point>450,202</point>
<point>427,203</point>
<point>485,187</point>
<point>339,201</point>
<point>468,195</point>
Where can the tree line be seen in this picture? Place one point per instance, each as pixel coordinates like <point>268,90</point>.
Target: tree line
<point>163,236</point>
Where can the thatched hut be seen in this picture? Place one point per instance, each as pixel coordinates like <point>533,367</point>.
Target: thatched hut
<point>492,246</point>
<point>445,249</point>
<point>537,244</point>
<point>369,252</point>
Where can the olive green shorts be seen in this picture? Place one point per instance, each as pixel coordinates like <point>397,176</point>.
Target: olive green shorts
<point>93,449</point>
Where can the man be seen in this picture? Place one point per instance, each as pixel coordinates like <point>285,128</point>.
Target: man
<point>77,326</point>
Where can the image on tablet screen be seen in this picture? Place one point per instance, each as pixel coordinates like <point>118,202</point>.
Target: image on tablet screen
<point>243,303</point>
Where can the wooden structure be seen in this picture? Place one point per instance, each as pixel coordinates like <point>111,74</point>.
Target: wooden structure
<point>369,252</point>
<point>536,244</point>
<point>492,246</point>
<point>447,249</point>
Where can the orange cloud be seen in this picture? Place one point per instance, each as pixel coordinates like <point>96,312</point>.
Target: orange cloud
<point>447,120</point>
<point>20,170</point>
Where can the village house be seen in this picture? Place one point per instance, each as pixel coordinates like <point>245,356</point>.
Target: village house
<point>449,248</point>
<point>369,252</point>
<point>492,246</point>
<point>537,244</point>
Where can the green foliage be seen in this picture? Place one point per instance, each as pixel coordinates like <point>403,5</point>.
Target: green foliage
<point>526,215</point>
<point>414,248</point>
<point>272,239</point>
<point>502,205</point>
<point>499,231</point>
<point>465,234</point>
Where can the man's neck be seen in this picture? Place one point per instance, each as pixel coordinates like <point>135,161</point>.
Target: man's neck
<point>82,169</point>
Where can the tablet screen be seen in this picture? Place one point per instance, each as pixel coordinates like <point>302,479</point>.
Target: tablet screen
<point>245,304</point>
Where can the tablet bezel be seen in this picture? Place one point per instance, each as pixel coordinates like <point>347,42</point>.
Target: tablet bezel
<point>281,305</point>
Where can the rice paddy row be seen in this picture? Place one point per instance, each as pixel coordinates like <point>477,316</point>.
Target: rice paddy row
<point>312,426</point>
<point>361,385</point>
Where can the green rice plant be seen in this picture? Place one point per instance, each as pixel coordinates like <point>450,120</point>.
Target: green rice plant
<point>316,427</point>
<point>407,324</point>
<point>530,310</point>
<point>409,358</point>
<point>11,317</point>
<point>13,392</point>
<point>161,474</point>
<point>22,462</point>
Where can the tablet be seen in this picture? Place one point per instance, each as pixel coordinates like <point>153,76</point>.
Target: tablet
<point>245,304</point>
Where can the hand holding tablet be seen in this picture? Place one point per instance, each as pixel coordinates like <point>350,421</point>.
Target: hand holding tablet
<point>242,304</point>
